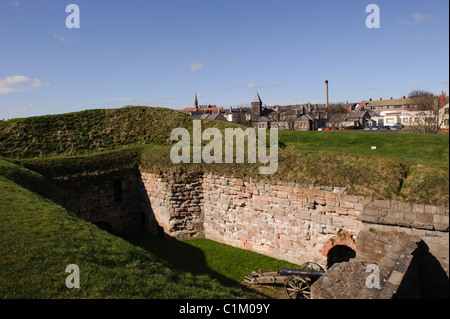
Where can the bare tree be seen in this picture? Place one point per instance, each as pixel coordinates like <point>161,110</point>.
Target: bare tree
<point>336,116</point>
<point>426,116</point>
<point>289,117</point>
<point>244,115</point>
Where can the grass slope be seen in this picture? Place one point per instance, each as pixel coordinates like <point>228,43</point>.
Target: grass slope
<point>92,131</point>
<point>39,239</point>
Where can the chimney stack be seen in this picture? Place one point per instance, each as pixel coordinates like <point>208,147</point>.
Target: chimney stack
<point>326,94</point>
<point>442,99</point>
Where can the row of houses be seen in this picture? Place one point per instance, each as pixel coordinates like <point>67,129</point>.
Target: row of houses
<point>309,117</point>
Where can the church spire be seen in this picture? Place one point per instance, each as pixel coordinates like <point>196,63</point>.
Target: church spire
<point>196,101</point>
<point>256,107</point>
<point>256,98</point>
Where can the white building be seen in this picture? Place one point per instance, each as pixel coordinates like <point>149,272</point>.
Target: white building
<point>406,118</point>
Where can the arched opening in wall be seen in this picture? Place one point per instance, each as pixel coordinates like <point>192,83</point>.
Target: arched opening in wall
<point>339,254</point>
<point>104,226</point>
<point>117,191</point>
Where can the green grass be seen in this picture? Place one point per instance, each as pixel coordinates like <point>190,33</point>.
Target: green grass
<point>204,256</point>
<point>30,180</point>
<point>39,239</point>
<point>92,131</point>
<point>414,148</point>
<point>368,176</point>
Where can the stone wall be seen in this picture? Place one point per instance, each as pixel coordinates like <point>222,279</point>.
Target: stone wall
<point>94,199</point>
<point>175,202</point>
<point>429,223</point>
<point>399,262</point>
<point>286,221</point>
<point>294,222</point>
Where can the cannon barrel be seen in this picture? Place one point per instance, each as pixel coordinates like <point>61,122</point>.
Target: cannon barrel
<point>300,272</point>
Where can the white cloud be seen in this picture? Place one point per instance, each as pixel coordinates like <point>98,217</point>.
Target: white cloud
<point>143,101</point>
<point>256,86</point>
<point>194,66</point>
<point>417,17</point>
<point>23,108</point>
<point>18,83</point>
<point>414,18</point>
<point>251,86</point>
<point>20,109</point>
<point>422,39</point>
<point>276,85</point>
<point>59,37</point>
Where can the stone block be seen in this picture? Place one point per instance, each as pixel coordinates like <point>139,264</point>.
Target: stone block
<point>364,200</point>
<point>409,216</point>
<point>347,205</point>
<point>282,194</point>
<point>404,206</point>
<point>340,190</point>
<point>429,209</point>
<point>329,195</point>
<point>382,203</point>
<point>368,211</point>
<point>440,222</point>
<point>305,215</point>
<point>418,208</point>
<point>352,199</point>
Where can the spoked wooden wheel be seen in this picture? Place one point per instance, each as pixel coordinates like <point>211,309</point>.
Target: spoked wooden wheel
<point>312,266</point>
<point>297,287</point>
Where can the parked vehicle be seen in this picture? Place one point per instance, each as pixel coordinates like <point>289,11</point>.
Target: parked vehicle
<point>375,128</point>
<point>396,127</point>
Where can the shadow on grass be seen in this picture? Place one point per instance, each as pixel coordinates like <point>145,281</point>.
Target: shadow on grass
<point>182,256</point>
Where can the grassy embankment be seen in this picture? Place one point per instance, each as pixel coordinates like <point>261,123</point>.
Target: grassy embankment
<point>40,238</point>
<point>405,166</point>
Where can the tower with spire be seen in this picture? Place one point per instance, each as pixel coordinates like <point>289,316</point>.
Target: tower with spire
<point>256,107</point>
<point>196,101</point>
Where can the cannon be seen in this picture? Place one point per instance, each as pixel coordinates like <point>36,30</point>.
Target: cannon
<point>297,282</point>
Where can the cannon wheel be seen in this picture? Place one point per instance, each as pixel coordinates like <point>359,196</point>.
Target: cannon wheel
<point>297,287</point>
<point>312,266</point>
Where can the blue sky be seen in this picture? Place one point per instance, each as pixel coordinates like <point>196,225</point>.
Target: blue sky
<point>159,53</point>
